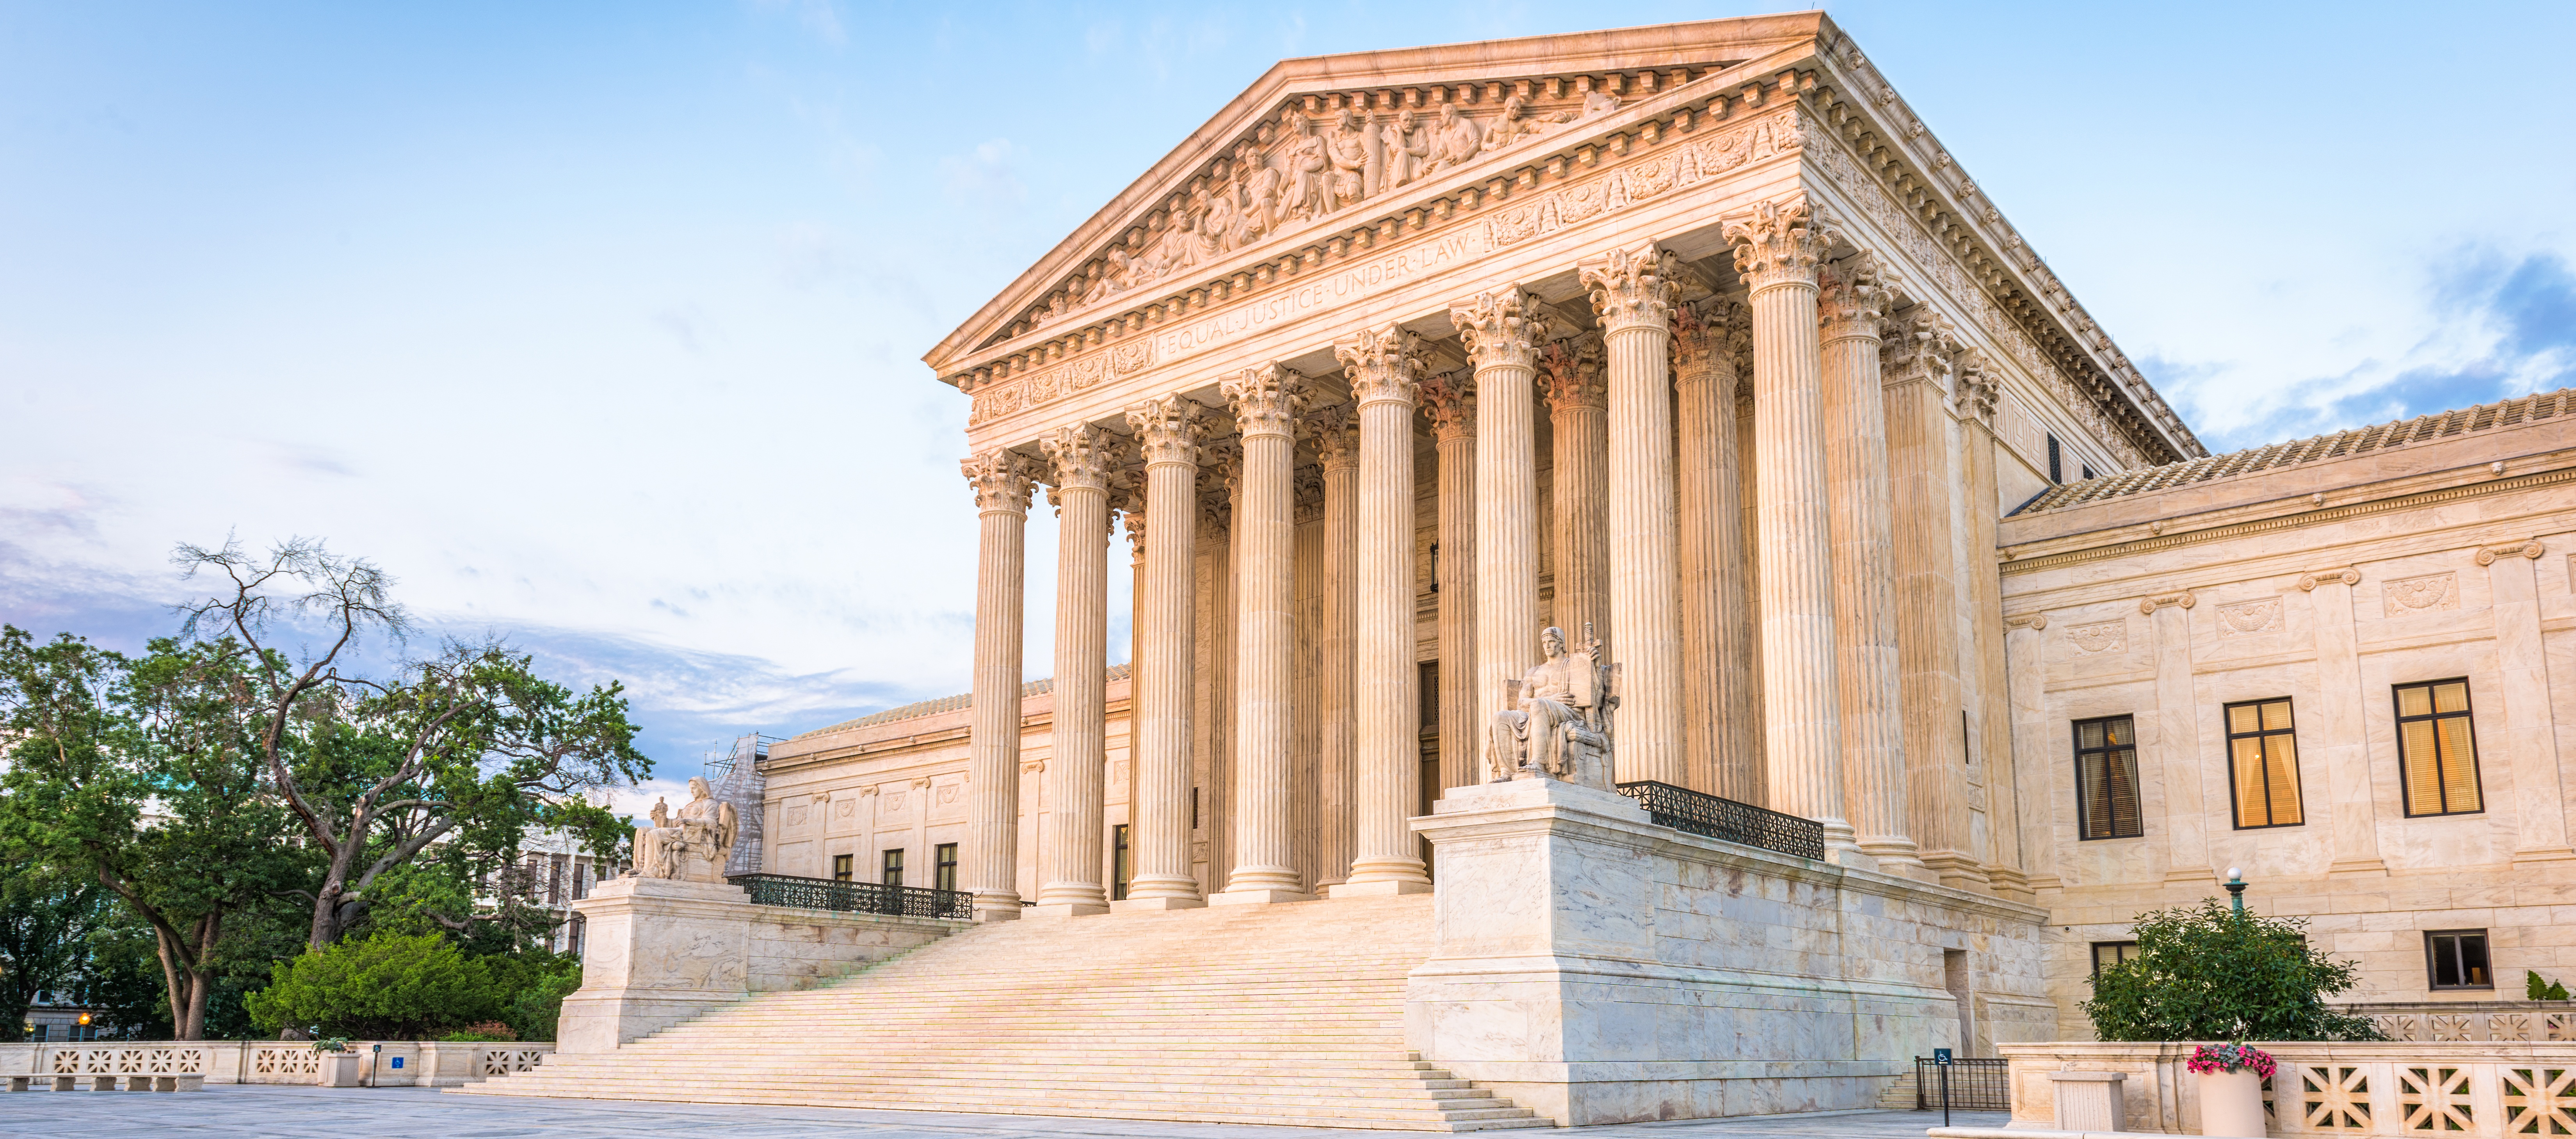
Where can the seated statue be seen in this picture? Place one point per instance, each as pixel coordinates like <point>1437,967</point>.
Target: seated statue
<point>1556,719</point>
<point>692,847</point>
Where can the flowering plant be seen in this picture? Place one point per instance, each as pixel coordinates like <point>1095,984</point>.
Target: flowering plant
<point>2209,1059</point>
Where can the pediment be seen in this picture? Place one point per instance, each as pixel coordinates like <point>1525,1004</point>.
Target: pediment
<point>1322,144</point>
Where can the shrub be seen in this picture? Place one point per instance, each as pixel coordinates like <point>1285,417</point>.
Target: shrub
<point>2537,989</point>
<point>385,987</point>
<point>533,1012</point>
<point>2206,973</point>
<point>480,1032</point>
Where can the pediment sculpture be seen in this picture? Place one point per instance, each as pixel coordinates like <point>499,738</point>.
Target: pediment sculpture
<point>693,846</point>
<point>1556,722</point>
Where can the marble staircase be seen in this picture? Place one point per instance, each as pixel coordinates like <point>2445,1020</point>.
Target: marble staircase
<point>1279,1014</point>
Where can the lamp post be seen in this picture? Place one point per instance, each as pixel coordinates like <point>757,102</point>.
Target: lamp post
<point>2236,889</point>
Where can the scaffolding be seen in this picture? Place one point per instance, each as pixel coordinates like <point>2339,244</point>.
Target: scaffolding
<point>738,780</point>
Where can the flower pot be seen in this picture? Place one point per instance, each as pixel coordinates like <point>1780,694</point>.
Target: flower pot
<point>2231,1103</point>
<point>340,1069</point>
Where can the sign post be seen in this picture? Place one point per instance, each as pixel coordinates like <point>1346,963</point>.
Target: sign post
<point>1941,1060</point>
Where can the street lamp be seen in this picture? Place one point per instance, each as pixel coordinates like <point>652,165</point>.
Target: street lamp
<point>2236,889</point>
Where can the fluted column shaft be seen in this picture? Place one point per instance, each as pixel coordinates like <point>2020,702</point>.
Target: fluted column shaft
<point>1000,479</point>
<point>1069,846</point>
<point>1265,402</point>
<point>1159,836</point>
<point>1337,444</point>
<point>1502,331</point>
<point>1450,401</point>
<point>1633,294</point>
<point>1384,365</point>
<point>1777,250</point>
<point>1718,690</point>
<point>1928,477</point>
<point>1853,302</point>
<point>1578,414</point>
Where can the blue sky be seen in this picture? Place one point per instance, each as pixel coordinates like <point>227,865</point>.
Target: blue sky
<point>599,325</point>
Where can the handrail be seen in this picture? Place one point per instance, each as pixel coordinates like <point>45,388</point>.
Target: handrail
<point>855,897</point>
<point>1700,813</point>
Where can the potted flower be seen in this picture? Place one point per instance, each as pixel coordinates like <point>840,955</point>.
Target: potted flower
<point>2231,1088</point>
<point>340,1067</point>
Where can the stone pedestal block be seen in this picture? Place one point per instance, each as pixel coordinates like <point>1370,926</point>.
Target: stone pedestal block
<point>655,952</point>
<point>2088,1101</point>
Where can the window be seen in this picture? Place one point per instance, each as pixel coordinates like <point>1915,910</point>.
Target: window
<point>892,874</point>
<point>2263,764</point>
<point>841,866</point>
<point>2457,959</point>
<point>2110,953</point>
<point>943,866</point>
<point>2106,778</point>
<point>2088,472</point>
<point>2056,462</point>
<point>1122,865</point>
<point>2437,749</point>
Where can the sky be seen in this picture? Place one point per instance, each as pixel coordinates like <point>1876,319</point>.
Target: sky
<point>599,326</point>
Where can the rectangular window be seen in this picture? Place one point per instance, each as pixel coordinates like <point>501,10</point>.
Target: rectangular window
<point>41,1029</point>
<point>841,866</point>
<point>2106,778</point>
<point>1121,865</point>
<point>2110,953</point>
<point>892,873</point>
<point>2263,764</point>
<point>943,866</point>
<point>2457,959</point>
<point>2056,462</point>
<point>2437,749</point>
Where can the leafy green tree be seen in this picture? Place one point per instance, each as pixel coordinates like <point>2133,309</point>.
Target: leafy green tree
<point>387,986</point>
<point>2207,973</point>
<point>462,754</point>
<point>46,921</point>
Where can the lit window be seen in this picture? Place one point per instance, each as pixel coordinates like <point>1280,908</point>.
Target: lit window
<point>2263,762</point>
<point>2110,953</point>
<point>943,859</point>
<point>841,866</point>
<point>2106,778</point>
<point>2437,749</point>
<point>892,874</point>
<point>2457,959</point>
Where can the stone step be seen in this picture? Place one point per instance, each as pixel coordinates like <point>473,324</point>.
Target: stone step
<point>1491,1120</point>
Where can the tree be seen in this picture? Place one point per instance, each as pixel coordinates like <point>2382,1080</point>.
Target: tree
<point>2208,973</point>
<point>386,986</point>
<point>46,921</point>
<point>467,750</point>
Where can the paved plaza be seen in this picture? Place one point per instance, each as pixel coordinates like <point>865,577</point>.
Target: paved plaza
<point>399,1113</point>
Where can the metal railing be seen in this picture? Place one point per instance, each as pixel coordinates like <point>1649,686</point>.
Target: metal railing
<point>855,897</point>
<point>1699,813</point>
<point>1974,1085</point>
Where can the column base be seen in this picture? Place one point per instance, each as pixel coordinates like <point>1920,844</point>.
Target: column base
<point>1903,859</point>
<point>997,907</point>
<point>1067,909</point>
<point>1380,889</point>
<point>1256,897</point>
<point>1140,905</point>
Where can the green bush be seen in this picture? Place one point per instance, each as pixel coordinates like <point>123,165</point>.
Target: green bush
<point>2206,973</point>
<point>385,987</point>
<point>532,1012</point>
<point>2542,990</point>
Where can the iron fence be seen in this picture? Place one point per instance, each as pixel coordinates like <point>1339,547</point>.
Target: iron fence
<point>1975,1085</point>
<point>855,897</point>
<point>1699,813</point>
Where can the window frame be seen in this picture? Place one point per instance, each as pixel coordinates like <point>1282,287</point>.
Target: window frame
<point>943,867</point>
<point>1122,867</point>
<point>2467,713</point>
<point>2235,809</point>
<point>2083,831</point>
<point>890,864</point>
<point>2125,958</point>
<point>2432,964</point>
<point>844,867</point>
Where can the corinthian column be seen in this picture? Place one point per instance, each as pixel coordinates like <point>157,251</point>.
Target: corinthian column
<point>1450,402</point>
<point>1928,476</point>
<point>1265,402</point>
<point>1853,301</point>
<point>1159,716</point>
<point>1633,294</point>
<point>1383,365</point>
<point>1776,249</point>
<point>1069,847</point>
<point>1578,415</point>
<point>1502,331</point>
<point>1718,693</point>
<point>1000,478</point>
<point>1337,445</point>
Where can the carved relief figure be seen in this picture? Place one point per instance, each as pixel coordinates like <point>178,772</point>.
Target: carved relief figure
<point>1557,723</point>
<point>1307,196</point>
<point>693,846</point>
<point>1405,147</point>
<point>1261,210</point>
<point>1516,124</point>
<point>1455,139</point>
<point>1348,149</point>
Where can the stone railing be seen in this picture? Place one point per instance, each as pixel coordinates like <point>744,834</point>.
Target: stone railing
<point>2481,1020</point>
<point>400,1063</point>
<point>2461,1088</point>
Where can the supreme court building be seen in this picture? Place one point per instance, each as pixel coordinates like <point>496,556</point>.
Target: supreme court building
<point>1694,341</point>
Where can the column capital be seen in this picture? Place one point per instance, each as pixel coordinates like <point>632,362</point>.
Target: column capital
<point>2487,555</point>
<point>1000,478</point>
<point>1167,429</point>
<point>1308,492</point>
<point>2181,600</point>
<point>1083,457</point>
<point>1503,328</point>
<point>1705,335</point>
<point>1779,243</point>
<point>1265,399</point>
<point>1853,298</point>
<point>1920,347</point>
<point>1633,289</point>
<point>1336,432</point>
<point>2031,621</point>
<point>1383,363</point>
<point>1570,374</point>
<point>2346,576</point>
<point>1449,399</point>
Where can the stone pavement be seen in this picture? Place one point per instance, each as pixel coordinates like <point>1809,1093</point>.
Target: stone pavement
<point>414,1113</point>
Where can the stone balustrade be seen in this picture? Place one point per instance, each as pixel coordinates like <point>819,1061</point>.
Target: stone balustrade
<point>423,1063</point>
<point>2481,1020</point>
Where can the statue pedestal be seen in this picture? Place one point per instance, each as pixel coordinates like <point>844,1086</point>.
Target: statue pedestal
<point>655,952</point>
